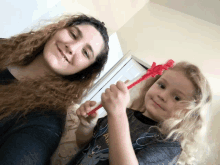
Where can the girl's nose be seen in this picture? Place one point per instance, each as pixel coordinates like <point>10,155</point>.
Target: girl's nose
<point>162,96</point>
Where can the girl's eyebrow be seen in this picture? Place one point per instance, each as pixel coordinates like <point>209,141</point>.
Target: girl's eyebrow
<point>175,89</point>
<point>180,92</point>
<point>164,80</point>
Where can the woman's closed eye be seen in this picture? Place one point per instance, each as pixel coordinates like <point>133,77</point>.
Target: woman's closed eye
<point>74,36</point>
<point>85,52</point>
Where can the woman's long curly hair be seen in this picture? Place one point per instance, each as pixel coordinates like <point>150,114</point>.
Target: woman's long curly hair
<point>51,92</point>
<point>189,128</point>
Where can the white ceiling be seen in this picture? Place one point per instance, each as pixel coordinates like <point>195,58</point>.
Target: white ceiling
<point>208,10</point>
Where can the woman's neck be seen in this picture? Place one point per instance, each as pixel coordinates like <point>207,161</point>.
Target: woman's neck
<point>35,69</point>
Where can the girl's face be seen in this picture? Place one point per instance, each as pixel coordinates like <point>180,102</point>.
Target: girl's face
<point>79,44</point>
<point>162,99</point>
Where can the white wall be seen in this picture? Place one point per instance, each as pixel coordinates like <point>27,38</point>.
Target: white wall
<point>157,33</point>
<point>16,15</point>
<point>115,13</point>
<point>207,10</point>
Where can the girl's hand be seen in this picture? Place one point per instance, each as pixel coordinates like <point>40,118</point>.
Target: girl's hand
<point>115,99</point>
<point>85,120</point>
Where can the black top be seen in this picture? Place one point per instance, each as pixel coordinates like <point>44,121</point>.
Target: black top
<point>30,142</point>
<point>144,119</point>
<point>146,142</point>
<point>6,77</point>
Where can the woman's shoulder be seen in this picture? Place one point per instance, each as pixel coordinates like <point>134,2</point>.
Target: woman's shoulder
<point>52,120</point>
<point>34,123</point>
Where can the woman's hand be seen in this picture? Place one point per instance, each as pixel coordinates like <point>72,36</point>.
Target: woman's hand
<point>85,120</point>
<point>115,99</point>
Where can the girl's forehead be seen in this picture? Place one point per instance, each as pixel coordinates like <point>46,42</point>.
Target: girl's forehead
<point>178,81</point>
<point>173,74</point>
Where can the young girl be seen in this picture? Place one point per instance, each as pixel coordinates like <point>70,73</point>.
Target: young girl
<point>166,124</point>
<point>42,73</point>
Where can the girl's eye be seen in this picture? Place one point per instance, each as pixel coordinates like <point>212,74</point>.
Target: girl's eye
<point>86,53</point>
<point>161,86</point>
<point>177,98</point>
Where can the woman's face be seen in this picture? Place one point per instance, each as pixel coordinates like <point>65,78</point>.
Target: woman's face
<point>73,49</point>
<point>162,99</point>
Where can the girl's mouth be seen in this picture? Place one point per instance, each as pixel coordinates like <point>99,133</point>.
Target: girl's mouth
<point>157,104</point>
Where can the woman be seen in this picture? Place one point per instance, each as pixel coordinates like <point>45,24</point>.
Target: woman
<point>43,72</point>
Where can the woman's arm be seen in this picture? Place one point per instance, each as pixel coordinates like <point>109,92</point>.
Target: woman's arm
<point>121,151</point>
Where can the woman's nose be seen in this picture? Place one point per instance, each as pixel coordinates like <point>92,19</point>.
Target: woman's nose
<point>73,47</point>
<point>68,50</point>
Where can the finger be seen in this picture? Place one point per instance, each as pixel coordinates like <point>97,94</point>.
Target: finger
<point>126,82</point>
<point>103,96</point>
<point>107,91</point>
<point>87,107</point>
<point>83,121</point>
<point>113,88</point>
<point>121,86</point>
<point>92,103</point>
<point>94,114</point>
<point>81,109</point>
<point>78,111</point>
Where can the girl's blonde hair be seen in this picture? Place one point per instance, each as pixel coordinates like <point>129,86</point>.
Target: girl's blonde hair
<point>189,128</point>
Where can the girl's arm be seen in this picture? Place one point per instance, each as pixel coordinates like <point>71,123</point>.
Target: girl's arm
<point>83,135</point>
<point>87,124</point>
<point>121,151</point>
<point>115,100</point>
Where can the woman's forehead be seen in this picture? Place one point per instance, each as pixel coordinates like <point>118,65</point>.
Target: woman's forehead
<point>91,36</point>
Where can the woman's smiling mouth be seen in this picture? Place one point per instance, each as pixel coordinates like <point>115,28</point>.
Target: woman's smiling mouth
<point>62,54</point>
